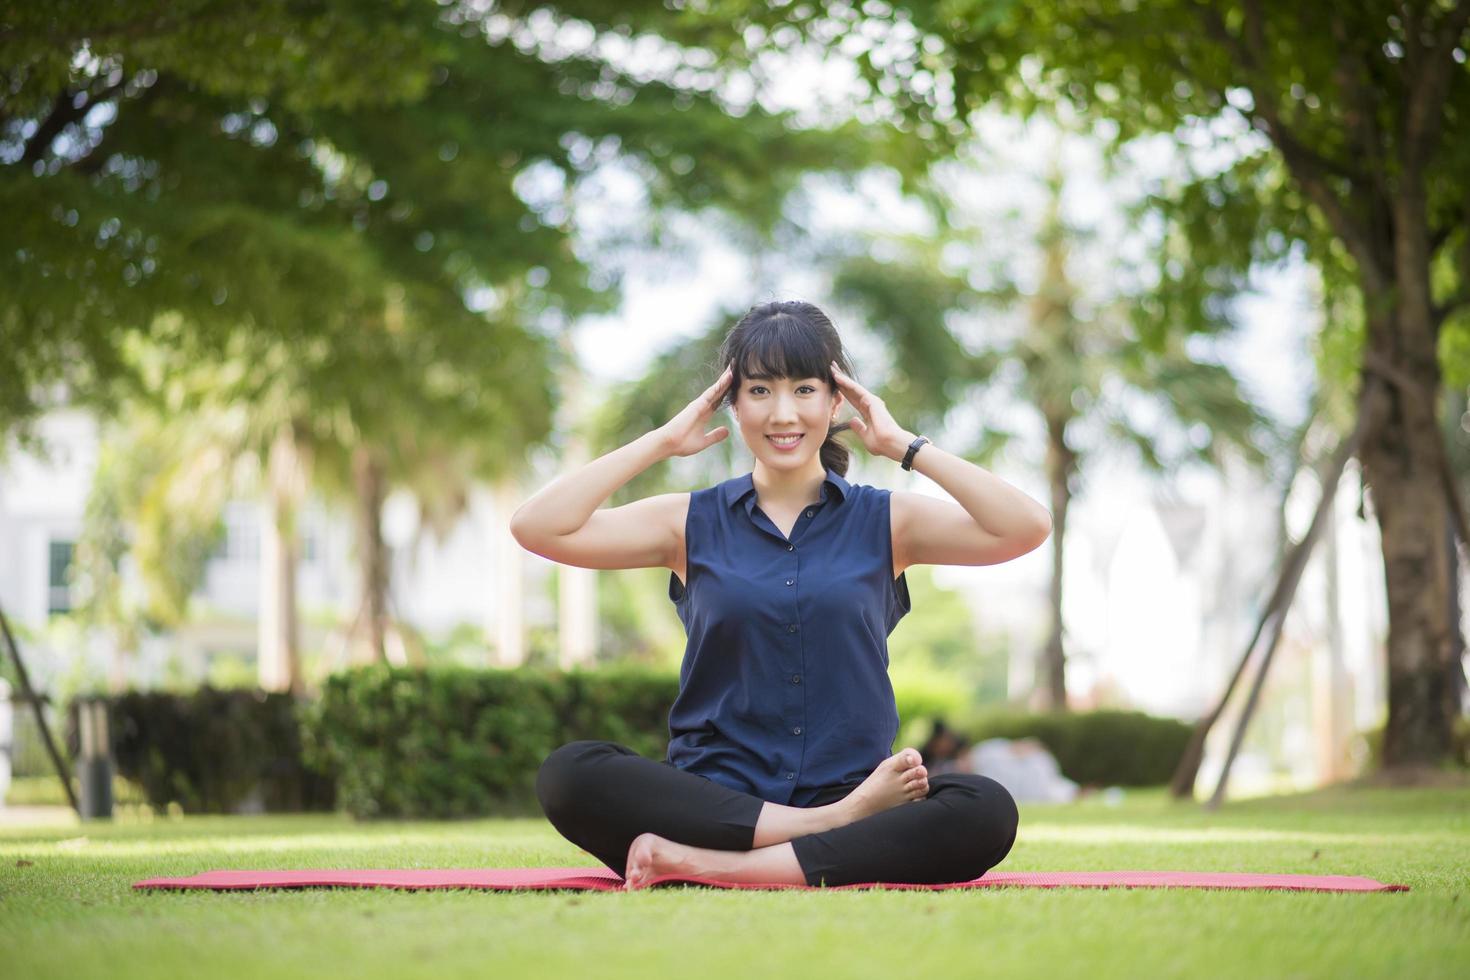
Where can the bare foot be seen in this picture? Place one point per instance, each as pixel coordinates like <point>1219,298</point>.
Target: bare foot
<point>651,855</point>
<point>900,778</point>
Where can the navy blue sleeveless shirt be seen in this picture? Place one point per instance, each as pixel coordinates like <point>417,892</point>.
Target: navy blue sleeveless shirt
<point>784,686</point>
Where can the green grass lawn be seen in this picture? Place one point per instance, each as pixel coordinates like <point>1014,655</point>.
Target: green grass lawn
<point>67,908</point>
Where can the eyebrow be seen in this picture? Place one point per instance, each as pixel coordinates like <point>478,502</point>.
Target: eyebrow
<point>772,377</point>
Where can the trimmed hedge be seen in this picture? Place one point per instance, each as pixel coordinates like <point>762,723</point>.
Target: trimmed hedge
<point>210,749</point>
<point>1100,748</point>
<point>453,742</point>
<point>457,742</point>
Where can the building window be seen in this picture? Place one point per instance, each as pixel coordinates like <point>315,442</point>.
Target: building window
<point>58,593</point>
<point>242,534</point>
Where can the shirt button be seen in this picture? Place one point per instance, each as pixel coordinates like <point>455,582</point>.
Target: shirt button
<point>791,775</point>
<point>791,547</point>
<point>796,678</point>
<point>808,513</point>
<point>796,731</point>
<point>791,628</point>
<point>791,581</point>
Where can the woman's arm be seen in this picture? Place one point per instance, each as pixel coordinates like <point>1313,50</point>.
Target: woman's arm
<point>566,503</point>
<point>562,522</point>
<point>993,521</point>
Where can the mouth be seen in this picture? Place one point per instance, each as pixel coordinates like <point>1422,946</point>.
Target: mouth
<point>785,444</point>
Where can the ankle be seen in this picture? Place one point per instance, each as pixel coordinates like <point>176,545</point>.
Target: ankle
<point>839,814</point>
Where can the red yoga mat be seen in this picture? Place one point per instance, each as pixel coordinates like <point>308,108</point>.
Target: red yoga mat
<point>603,879</point>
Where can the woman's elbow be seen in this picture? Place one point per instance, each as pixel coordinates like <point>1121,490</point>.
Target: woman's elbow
<point>524,531</point>
<point>1041,532</point>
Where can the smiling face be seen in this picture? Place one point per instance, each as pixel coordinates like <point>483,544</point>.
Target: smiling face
<point>804,407</point>
<point>780,355</point>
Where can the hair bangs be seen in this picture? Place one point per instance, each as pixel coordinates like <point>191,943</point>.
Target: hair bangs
<point>778,347</point>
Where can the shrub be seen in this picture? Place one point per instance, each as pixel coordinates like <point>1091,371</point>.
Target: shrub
<point>451,741</point>
<point>210,749</point>
<point>443,742</point>
<point>1107,748</point>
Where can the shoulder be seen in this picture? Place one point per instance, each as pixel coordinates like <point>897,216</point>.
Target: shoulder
<point>869,496</point>
<point>905,506</point>
<point>664,511</point>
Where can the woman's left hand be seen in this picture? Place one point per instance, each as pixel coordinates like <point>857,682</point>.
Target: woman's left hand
<point>881,435</point>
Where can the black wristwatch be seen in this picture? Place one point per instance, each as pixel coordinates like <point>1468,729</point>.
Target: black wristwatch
<point>908,457</point>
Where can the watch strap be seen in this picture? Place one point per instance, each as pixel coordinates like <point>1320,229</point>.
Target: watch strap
<point>908,458</point>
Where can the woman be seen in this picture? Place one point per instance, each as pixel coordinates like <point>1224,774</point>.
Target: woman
<point>788,581</point>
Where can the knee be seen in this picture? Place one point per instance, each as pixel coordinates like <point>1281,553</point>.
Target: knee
<point>564,772</point>
<point>989,823</point>
<point>1002,817</point>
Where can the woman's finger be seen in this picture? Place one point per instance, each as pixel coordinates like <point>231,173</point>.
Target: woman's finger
<point>713,392</point>
<point>857,393</point>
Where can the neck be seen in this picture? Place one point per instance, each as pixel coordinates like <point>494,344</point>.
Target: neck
<point>791,488</point>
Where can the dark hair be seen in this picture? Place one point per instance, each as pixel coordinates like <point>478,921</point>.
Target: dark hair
<point>788,339</point>
<point>930,749</point>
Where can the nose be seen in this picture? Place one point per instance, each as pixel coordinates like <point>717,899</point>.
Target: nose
<point>785,411</point>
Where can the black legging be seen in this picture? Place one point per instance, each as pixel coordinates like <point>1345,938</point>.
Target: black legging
<point>600,795</point>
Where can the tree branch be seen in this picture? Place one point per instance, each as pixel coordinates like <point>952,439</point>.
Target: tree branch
<point>1375,364</point>
<point>1361,114</point>
<point>1310,168</point>
<point>1461,296</point>
<point>1425,118</point>
<point>64,112</point>
<point>1253,65</point>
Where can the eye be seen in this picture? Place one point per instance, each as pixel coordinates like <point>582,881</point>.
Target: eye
<point>754,389</point>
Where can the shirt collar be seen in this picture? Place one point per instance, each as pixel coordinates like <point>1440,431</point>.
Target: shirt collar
<point>742,489</point>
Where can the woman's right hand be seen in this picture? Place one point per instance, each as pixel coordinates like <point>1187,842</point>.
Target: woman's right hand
<point>684,434</point>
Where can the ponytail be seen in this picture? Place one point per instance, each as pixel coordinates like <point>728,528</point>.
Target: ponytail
<point>835,456</point>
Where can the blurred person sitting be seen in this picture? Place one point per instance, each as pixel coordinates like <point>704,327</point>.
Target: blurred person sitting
<point>1024,766</point>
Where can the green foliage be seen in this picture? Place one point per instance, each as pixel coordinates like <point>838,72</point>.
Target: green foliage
<point>940,631</point>
<point>158,504</point>
<point>638,622</point>
<point>352,183</point>
<point>209,749</point>
<point>438,742</point>
<point>1106,748</point>
<point>628,704</point>
<point>939,661</point>
<point>454,742</point>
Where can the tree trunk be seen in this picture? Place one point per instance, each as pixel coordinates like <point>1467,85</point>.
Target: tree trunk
<point>510,627</point>
<point>1456,422</point>
<point>278,661</point>
<point>124,653</point>
<point>1401,462</point>
<point>372,555</point>
<point>1060,462</point>
<point>1331,717</point>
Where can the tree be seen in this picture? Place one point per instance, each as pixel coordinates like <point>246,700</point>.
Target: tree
<point>353,246</point>
<point>1076,358</point>
<point>278,166</point>
<point>1359,112</point>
